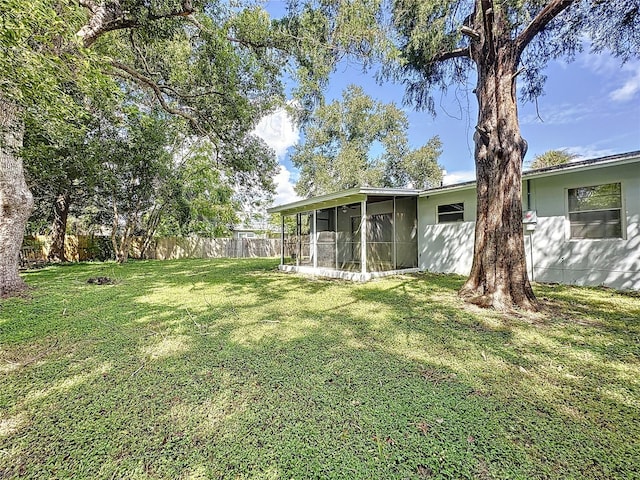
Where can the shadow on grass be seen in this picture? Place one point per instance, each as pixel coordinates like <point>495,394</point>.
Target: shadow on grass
<point>228,369</point>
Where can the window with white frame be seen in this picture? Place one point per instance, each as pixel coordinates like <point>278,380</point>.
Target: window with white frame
<point>452,212</point>
<point>595,211</point>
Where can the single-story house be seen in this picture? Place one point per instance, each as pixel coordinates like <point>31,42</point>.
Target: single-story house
<point>581,223</point>
<point>246,232</point>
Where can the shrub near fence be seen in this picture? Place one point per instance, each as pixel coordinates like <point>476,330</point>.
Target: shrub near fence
<point>86,247</point>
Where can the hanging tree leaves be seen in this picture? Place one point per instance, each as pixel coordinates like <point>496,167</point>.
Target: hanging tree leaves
<point>361,142</point>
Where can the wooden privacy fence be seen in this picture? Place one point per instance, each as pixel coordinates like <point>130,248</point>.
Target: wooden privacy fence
<point>176,247</point>
<point>85,247</point>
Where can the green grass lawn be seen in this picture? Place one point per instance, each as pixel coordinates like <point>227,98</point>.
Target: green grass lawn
<point>228,369</point>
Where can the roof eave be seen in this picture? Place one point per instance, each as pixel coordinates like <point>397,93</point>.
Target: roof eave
<point>343,197</point>
<point>582,166</point>
<point>570,168</point>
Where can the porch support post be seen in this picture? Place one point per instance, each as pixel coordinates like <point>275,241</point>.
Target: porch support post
<point>363,236</point>
<point>282,239</point>
<point>299,237</point>
<point>394,244</point>
<point>335,233</point>
<point>315,239</point>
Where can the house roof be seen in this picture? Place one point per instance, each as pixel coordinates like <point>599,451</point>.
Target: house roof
<point>581,165</point>
<point>245,229</point>
<point>344,197</point>
<point>358,194</point>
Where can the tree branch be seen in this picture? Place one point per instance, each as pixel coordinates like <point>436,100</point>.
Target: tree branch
<point>88,4</point>
<point>163,87</point>
<point>186,10</point>
<point>456,53</point>
<point>544,17</point>
<point>245,43</point>
<point>109,15</point>
<point>248,43</point>
<point>470,32</point>
<point>104,18</point>
<point>170,89</point>
<point>140,53</point>
<point>157,90</point>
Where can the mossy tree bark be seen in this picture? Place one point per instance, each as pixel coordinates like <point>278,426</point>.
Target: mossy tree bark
<point>16,201</point>
<point>59,227</point>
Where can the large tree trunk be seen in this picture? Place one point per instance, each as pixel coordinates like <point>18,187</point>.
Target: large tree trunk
<point>122,253</point>
<point>152,224</point>
<point>121,248</point>
<point>16,200</point>
<point>59,227</point>
<point>498,276</point>
<point>114,232</point>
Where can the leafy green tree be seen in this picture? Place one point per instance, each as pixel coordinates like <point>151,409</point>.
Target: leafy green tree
<point>552,158</point>
<point>274,224</point>
<point>197,199</point>
<point>62,167</point>
<point>136,160</point>
<point>361,142</point>
<point>439,43</point>
<point>157,180</point>
<point>38,60</point>
<point>55,184</point>
<point>420,168</point>
<point>212,65</point>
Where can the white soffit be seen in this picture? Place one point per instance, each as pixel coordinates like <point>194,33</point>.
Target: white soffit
<point>345,197</point>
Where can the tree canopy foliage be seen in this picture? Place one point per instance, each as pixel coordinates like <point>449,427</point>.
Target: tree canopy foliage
<point>214,66</point>
<point>436,39</point>
<point>362,142</point>
<point>552,158</point>
<point>62,169</point>
<point>210,66</point>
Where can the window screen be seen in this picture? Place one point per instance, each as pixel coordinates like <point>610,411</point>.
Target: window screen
<point>380,228</point>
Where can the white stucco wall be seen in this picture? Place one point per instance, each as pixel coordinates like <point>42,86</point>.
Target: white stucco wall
<point>556,257</point>
<point>446,247</point>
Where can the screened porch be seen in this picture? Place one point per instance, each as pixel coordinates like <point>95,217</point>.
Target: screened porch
<point>356,234</point>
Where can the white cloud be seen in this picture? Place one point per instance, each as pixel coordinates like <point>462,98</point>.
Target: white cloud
<point>599,63</point>
<point>560,114</point>
<point>606,65</point>
<point>459,176</point>
<point>279,132</point>
<point>587,152</point>
<point>284,187</point>
<point>631,86</point>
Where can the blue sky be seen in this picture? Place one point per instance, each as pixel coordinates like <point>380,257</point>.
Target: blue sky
<point>591,107</point>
